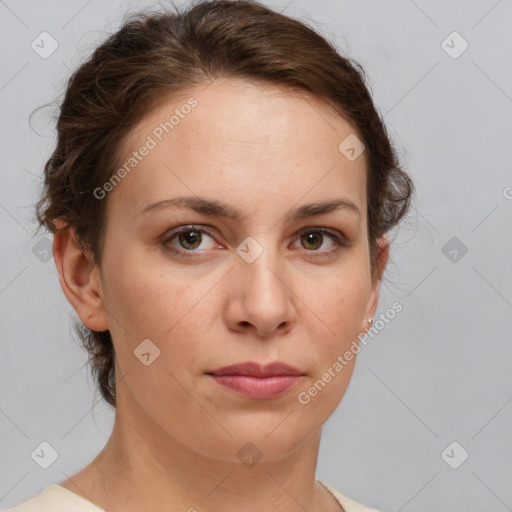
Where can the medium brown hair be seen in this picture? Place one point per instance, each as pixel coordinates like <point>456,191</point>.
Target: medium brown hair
<point>155,55</point>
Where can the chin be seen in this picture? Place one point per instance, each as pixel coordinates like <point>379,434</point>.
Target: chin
<point>265,437</point>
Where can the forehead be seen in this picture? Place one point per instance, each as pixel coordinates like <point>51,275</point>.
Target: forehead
<point>242,141</point>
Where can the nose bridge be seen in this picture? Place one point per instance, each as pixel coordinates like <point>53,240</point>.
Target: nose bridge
<point>260,261</point>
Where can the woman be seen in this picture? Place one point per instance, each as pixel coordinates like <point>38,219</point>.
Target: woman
<point>219,198</point>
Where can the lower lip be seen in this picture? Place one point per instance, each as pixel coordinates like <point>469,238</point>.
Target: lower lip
<point>258,387</point>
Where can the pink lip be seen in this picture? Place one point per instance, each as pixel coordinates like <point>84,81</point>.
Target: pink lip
<point>255,381</point>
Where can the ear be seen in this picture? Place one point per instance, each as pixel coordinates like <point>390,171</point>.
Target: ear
<point>79,277</point>
<point>382,259</point>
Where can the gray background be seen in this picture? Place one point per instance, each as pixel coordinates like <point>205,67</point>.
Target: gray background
<point>439,372</point>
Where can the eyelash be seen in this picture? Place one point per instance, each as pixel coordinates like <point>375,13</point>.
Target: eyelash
<point>340,241</point>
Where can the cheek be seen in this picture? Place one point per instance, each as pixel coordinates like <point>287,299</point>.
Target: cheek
<point>169,306</point>
<point>141,296</point>
<point>339,301</point>
<point>340,308</point>
<point>169,309</point>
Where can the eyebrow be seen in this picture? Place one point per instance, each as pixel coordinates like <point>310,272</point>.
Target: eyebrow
<point>215,208</point>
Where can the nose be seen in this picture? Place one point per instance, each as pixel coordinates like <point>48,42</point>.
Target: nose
<point>261,298</point>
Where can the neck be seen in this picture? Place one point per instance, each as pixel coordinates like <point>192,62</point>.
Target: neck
<point>142,467</point>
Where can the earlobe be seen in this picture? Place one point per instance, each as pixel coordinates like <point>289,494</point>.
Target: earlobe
<point>79,278</point>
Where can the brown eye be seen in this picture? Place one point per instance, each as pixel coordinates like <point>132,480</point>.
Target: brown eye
<point>312,240</point>
<point>190,239</point>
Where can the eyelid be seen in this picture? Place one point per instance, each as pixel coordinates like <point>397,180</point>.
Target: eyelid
<point>318,229</point>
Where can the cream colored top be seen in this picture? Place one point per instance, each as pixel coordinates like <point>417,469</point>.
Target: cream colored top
<point>55,498</point>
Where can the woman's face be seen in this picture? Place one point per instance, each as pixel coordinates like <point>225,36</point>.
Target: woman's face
<point>256,279</point>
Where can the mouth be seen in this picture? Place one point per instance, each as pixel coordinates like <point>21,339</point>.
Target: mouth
<point>253,380</point>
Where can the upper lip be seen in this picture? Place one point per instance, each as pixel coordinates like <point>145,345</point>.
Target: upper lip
<point>256,370</point>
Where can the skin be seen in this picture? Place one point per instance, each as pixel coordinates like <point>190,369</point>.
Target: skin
<point>264,150</point>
